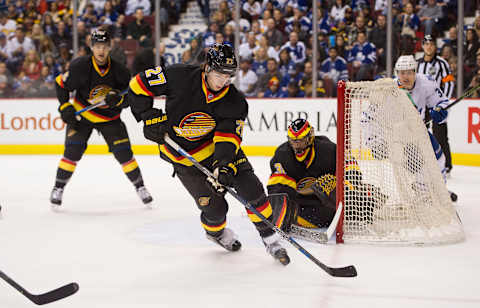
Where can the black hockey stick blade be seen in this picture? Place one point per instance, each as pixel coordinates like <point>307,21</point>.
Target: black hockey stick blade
<point>54,295</point>
<point>347,271</point>
<point>44,298</point>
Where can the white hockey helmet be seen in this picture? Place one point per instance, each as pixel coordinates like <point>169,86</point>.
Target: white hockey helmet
<point>405,63</point>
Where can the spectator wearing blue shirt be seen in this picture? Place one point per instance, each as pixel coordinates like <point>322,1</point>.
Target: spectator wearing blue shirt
<point>363,56</point>
<point>295,48</point>
<point>259,65</point>
<point>298,17</point>
<point>293,90</point>
<point>274,90</point>
<point>408,23</point>
<point>285,64</point>
<point>334,67</point>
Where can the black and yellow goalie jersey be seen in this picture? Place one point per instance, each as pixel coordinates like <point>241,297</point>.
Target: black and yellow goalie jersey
<point>290,175</point>
<point>200,121</point>
<point>91,83</point>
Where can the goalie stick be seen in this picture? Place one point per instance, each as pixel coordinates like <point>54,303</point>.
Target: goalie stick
<point>348,271</point>
<point>321,237</point>
<point>44,298</point>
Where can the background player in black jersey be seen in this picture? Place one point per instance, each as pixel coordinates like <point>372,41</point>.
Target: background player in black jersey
<point>302,184</point>
<point>205,115</point>
<point>94,77</point>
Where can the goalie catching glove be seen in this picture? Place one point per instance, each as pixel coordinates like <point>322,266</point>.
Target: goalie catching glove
<point>154,125</point>
<point>224,175</point>
<point>325,189</point>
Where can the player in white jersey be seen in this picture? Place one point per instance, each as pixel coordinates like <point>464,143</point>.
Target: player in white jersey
<point>424,93</point>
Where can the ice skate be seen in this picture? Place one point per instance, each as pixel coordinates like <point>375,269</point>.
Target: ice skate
<point>227,239</point>
<point>143,193</point>
<point>275,249</point>
<point>56,197</point>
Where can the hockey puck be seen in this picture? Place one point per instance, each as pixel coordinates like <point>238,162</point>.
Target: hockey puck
<point>453,196</point>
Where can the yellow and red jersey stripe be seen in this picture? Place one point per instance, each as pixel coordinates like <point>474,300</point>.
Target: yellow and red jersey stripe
<point>202,152</point>
<point>209,96</point>
<point>228,137</point>
<point>138,87</point>
<point>67,165</point>
<point>91,115</point>
<point>265,210</point>
<point>130,165</point>
<point>282,179</point>
<point>216,228</point>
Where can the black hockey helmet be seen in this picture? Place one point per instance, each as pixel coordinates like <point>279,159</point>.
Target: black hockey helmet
<point>300,135</point>
<point>100,36</point>
<point>221,58</point>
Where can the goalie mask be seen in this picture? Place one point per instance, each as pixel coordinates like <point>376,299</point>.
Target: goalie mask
<point>300,136</point>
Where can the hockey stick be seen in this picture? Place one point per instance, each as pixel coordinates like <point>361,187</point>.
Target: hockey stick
<point>348,271</point>
<point>44,298</point>
<point>321,237</point>
<point>97,102</point>
<point>466,94</point>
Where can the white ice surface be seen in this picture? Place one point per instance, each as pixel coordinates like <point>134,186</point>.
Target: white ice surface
<point>123,255</point>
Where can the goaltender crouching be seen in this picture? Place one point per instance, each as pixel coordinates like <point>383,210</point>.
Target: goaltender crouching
<point>302,184</point>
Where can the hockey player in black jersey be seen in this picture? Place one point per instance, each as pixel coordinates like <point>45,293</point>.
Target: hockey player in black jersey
<point>94,77</point>
<point>205,115</point>
<point>302,185</point>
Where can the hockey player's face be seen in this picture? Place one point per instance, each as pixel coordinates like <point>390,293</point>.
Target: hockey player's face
<point>100,52</point>
<point>407,78</point>
<point>216,80</point>
<point>300,145</point>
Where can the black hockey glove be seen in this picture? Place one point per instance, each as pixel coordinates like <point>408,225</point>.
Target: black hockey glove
<point>67,113</point>
<point>155,125</point>
<point>113,98</point>
<point>224,176</point>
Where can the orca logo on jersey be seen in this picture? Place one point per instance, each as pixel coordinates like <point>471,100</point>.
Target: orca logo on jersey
<point>194,126</point>
<point>305,184</point>
<point>98,93</point>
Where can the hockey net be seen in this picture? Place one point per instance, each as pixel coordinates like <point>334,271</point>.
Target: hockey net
<point>387,175</point>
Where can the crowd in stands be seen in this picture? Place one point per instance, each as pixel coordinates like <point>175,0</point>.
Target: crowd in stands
<point>36,37</point>
<point>275,50</point>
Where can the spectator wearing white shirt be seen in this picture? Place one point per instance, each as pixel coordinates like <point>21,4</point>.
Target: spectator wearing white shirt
<point>244,24</point>
<point>337,13</point>
<point>295,48</point>
<point>246,50</point>
<point>132,5</point>
<point>271,52</point>
<point>247,79</point>
<point>4,52</point>
<point>20,44</point>
<point>7,25</point>
<point>252,9</point>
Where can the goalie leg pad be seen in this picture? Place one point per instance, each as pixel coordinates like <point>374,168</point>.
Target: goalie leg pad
<point>284,211</point>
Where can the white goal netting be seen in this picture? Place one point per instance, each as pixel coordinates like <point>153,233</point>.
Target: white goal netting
<point>398,196</point>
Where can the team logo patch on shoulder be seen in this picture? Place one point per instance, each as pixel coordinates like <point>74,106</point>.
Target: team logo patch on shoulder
<point>305,183</point>
<point>203,201</point>
<point>98,93</point>
<point>195,125</point>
